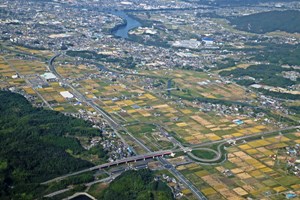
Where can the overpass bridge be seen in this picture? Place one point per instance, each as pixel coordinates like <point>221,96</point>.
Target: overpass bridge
<point>133,159</point>
<point>114,163</point>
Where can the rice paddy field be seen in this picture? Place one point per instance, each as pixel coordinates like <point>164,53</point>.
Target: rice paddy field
<point>6,73</point>
<point>188,124</point>
<point>30,82</point>
<point>254,171</point>
<point>75,71</point>
<point>34,52</point>
<point>25,67</point>
<point>128,102</point>
<point>150,136</point>
<point>145,112</point>
<point>200,84</point>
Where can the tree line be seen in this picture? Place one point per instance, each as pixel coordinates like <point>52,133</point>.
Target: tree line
<point>33,146</point>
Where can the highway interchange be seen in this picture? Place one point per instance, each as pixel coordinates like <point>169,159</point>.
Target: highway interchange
<point>116,126</point>
<point>159,154</point>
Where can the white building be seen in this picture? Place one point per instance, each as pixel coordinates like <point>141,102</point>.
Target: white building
<point>66,95</point>
<point>49,76</point>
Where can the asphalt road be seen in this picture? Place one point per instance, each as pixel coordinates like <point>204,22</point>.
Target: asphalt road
<point>182,179</point>
<point>218,155</point>
<point>58,192</point>
<point>30,84</point>
<point>82,98</point>
<point>163,161</point>
<point>117,162</point>
<point>115,125</point>
<point>244,137</point>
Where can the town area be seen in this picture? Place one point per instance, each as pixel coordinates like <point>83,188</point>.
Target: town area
<point>173,86</point>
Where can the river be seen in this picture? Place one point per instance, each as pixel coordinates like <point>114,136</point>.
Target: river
<point>130,23</point>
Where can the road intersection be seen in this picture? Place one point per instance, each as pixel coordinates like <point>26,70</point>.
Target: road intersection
<point>159,154</point>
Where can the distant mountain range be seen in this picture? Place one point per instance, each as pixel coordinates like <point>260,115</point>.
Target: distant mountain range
<point>237,2</point>
<point>265,22</point>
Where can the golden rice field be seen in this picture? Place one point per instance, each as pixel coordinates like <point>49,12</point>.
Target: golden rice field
<point>254,171</point>
<point>190,125</point>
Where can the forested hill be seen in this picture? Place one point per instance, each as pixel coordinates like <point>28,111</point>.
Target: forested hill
<point>34,146</point>
<point>135,185</point>
<point>237,2</point>
<point>265,22</point>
